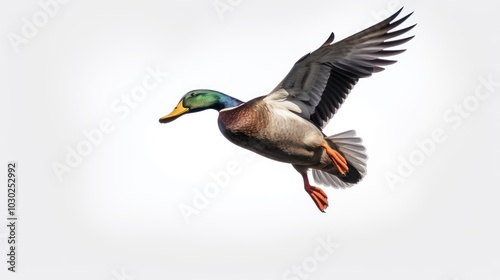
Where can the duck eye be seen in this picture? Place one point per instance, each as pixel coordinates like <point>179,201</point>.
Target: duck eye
<point>193,94</point>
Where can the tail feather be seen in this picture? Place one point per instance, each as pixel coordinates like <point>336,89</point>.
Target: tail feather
<point>354,152</point>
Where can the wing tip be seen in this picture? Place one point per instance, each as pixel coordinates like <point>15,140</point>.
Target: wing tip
<point>329,40</point>
<point>399,21</point>
<point>399,11</point>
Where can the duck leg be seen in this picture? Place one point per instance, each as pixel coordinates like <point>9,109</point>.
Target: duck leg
<point>339,161</point>
<point>318,195</point>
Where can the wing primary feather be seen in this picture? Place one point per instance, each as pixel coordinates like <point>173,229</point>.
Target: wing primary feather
<point>339,71</point>
<point>389,52</point>
<point>394,43</point>
<point>329,40</point>
<point>359,70</point>
<point>401,20</point>
<point>381,30</point>
<point>383,62</point>
<point>375,29</point>
<point>393,34</point>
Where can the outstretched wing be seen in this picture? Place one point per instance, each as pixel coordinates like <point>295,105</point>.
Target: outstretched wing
<point>320,81</point>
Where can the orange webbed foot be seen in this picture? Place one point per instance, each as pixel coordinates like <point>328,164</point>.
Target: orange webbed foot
<point>339,161</point>
<point>318,195</point>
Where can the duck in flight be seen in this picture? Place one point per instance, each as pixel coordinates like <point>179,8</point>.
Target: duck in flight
<point>286,125</point>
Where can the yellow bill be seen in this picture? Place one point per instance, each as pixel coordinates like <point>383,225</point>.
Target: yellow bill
<point>177,112</point>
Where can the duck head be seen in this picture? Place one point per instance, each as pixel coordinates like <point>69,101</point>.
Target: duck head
<point>199,100</point>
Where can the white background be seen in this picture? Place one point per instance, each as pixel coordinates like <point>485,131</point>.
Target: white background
<point>117,214</point>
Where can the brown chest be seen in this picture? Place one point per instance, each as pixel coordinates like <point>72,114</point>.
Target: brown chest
<point>248,119</point>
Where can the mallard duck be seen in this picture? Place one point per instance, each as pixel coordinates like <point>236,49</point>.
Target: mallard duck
<point>286,125</point>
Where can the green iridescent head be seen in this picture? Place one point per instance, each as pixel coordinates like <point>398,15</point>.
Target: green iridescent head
<point>199,100</point>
